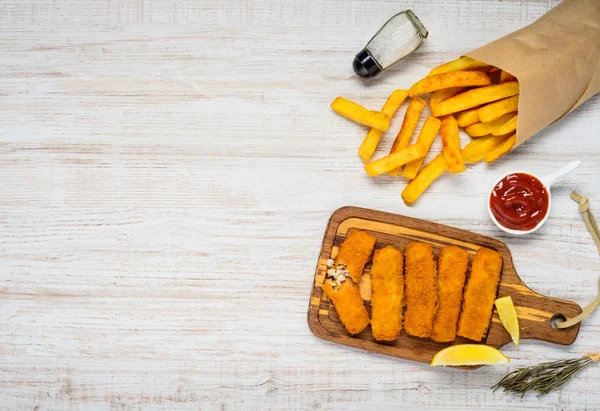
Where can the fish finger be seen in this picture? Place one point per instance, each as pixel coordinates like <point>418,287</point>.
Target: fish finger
<point>480,294</point>
<point>387,282</point>
<point>355,252</point>
<point>348,304</point>
<point>452,270</point>
<point>421,289</point>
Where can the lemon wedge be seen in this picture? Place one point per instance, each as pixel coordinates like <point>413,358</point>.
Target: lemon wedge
<point>508,316</point>
<point>469,354</point>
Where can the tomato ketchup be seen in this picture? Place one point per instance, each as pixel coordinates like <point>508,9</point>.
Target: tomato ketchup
<point>519,201</point>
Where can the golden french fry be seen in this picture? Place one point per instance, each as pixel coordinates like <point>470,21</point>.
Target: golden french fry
<point>467,117</point>
<point>497,109</point>
<point>441,95</point>
<point>476,150</point>
<point>359,114</point>
<point>475,97</point>
<point>426,136</point>
<point>506,77</point>
<point>451,145</point>
<point>394,102</point>
<point>494,76</point>
<point>483,129</point>
<point>493,69</point>
<point>462,63</point>
<point>395,160</point>
<point>424,179</point>
<point>501,149</point>
<point>482,69</point>
<point>508,127</point>
<point>447,80</point>
<point>369,145</point>
<point>411,118</point>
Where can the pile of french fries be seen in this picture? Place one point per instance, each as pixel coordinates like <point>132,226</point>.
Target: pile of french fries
<point>465,93</point>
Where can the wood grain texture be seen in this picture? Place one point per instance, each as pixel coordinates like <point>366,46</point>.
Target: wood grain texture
<point>535,311</point>
<point>167,168</point>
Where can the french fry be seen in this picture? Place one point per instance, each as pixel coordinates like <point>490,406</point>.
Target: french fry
<point>424,179</point>
<point>395,160</point>
<point>451,145</point>
<point>359,114</point>
<point>467,117</point>
<point>369,145</point>
<point>482,69</point>
<point>447,80</point>
<point>441,95</point>
<point>475,97</point>
<point>497,109</point>
<point>462,63</point>
<point>494,76</point>
<point>493,69</point>
<point>508,127</point>
<point>476,150</point>
<point>483,129</point>
<point>506,77</point>
<point>394,102</point>
<point>501,149</point>
<point>411,118</point>
<point>426,136</point>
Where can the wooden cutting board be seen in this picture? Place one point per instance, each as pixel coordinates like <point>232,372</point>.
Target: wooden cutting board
<point>534,310</point>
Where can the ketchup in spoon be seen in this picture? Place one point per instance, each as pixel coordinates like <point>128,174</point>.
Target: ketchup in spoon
<point>519,201</point>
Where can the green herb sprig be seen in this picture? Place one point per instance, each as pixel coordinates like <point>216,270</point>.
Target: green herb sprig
<point>544,377</point>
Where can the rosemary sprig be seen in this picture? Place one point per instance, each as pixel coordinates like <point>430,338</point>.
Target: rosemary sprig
<point>544,377</point>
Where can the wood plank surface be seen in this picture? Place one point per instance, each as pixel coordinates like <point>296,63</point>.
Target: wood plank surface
<point>167,170</point>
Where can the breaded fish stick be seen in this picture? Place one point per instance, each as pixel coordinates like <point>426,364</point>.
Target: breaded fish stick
<point>480,293</point>
<point>421,289</point>
<point>452,270</point>
<point>341,284</point>
<point>387,283</point>
<point>355,252</point>
<point>348,304</point>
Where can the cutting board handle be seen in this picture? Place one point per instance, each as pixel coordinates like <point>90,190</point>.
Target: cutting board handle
<point>536,315</point>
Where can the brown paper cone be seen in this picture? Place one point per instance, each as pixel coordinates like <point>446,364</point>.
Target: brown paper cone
<point>556,60</point>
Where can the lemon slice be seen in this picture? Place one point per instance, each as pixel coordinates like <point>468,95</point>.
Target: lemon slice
<point>508,316</point>
<point>469,354</point>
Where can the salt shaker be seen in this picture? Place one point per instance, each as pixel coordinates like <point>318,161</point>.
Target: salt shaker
<point>399,37</point>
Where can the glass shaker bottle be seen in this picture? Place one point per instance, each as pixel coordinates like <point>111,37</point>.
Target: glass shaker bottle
<point>399,37</point>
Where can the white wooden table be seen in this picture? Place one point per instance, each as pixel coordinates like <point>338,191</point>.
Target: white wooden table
<point>167,170</point>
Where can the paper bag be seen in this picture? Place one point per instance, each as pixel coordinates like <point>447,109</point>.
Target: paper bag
<point>556,60</point>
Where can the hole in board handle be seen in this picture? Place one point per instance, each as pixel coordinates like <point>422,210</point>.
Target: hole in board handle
<point>557,318</point>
